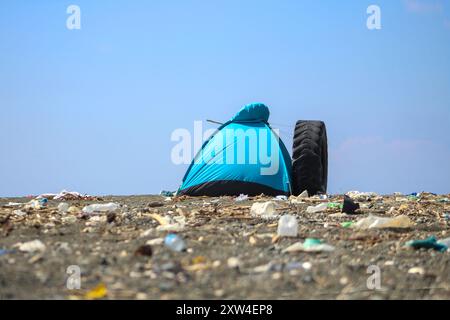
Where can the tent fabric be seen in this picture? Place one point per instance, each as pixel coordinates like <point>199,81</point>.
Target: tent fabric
<point>244,156</point>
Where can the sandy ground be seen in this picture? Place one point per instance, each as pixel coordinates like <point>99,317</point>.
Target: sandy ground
<point>108,250</point>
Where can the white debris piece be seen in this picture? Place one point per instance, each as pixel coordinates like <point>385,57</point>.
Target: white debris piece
<point>357,195</point>
<point>241,197</point>
<point>319,208</point>
<point>374,222</point>
<point>265,210</point>
<point>32,246</point>
<point>288,226</point>
<point>99,208</point>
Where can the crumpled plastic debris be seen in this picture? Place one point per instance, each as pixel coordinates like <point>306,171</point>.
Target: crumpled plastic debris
<point>316,209</point>
<point>174,242</point>
<point>67,195</point>
<point>99,292</point>
<point>101,208</point>
<point>265,210</point>
<point>429,243</point>
<point>280,198</point>
<point>31,246</point>
<point>299,199</point>
<point>310,245</point>
<point>357,195</point>
<point>288,226</point>
<point>176,224</point>
<point>241,197</point>
<point>374,222</point>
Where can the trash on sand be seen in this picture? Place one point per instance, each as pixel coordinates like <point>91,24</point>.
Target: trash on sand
<point>176,224</point>
<point>155,242</point>
<point>265,210</point>
<point>145,250</point>
<point>19,213</point>
<point>303,195</point>
<point>445,242</point>
<point>66,195</point>
<point>98,208</point>
<point>357,195</point>
<point>12,204</point>
<point>310,245</point>
<point>174,242</point>
<point>165,193</point>
<point>63,207</point>
<point>349,206</point>
<point>416,270</point>
<point>374,222</point>
<point>347,224</point>
<point>300,197</point>
<point>241,197</point>
<point>31,246</point>
<point>280,198</point>
<point>5,251</point>
<point>35,204</point>
<point>288,226</point>
<point>334,205</point>
<point>319,208</point>
<point>99,292</point>
<point>429,243</point>
<point>233,263</point>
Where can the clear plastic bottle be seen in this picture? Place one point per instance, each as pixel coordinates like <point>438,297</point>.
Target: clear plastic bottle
<point>288,226</point>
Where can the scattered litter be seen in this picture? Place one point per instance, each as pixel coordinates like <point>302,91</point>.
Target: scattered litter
<point>417,270</point>
<point>99,292</point>
<point>347,224</point>
<point>12,204</point>
<point>174,242</point>
<point>316,209</point>
<point>167,193</point>
<point>265,210</point>
<point>63,207</point>
<point>287,226</point>
<point>374,222</point>
<point>145,250</point>
<point>310,245</point>
<point>241,197</point>
<point>99,208</point>
<point>31,246</point>
<point>67,195</point>
<point>357,195</point>
<point>281,198</point>
<point>176,224</point>
<point>233,263</point>
<point>349,206</point>
<point>155,242</point>
<point>429,243</point>
<point>19,213</point>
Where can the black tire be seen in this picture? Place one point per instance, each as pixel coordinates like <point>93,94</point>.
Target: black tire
<point>310,158</point>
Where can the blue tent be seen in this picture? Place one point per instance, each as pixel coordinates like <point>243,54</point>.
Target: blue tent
<point>244,156</point>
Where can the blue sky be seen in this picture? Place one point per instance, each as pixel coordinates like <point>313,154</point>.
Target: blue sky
<point>92,110</point>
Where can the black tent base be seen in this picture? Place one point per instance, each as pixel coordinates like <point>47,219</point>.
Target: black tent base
<point>230,188</point>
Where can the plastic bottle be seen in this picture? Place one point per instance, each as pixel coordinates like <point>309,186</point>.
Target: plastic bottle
<point>174,242</point>
<point>319,208</point>
<point>288,226</point>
